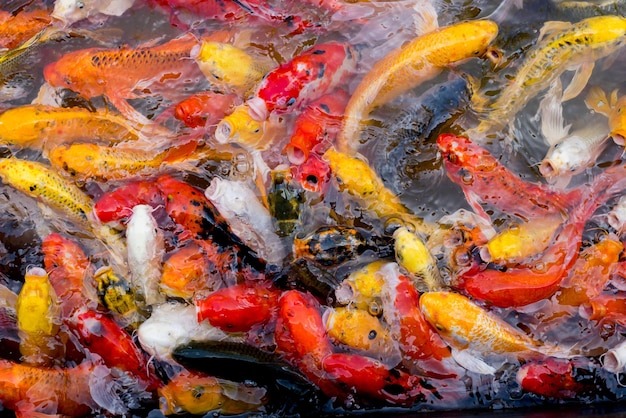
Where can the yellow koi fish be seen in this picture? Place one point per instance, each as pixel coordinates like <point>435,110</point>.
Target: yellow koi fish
<point>34,125</point>
<point>38,319</point>
<point>228,67</point>
<point>472,331</point>
<point>413,256</point>
<point>355,176</point>
<point>363,288</point>
<point>561,46</point>
<point>407,67</point>
<point>612,107</point>
<point>359,330</point>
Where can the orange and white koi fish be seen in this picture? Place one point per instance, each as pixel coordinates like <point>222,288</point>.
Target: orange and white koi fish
<point>408,66</point>
<point>119,73</point>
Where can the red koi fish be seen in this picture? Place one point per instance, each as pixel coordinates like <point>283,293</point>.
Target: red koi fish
<point>319,122</point>
<point>610,309</point>
<point>480,174</point>
<point>68,267</point>
<point>205,109</point>
<point>33,391</point>
<point>117,205</point>
<point>313,174</point>
<point>119,73</point>
<point>100,334</point>
<point>369,377</point>
<point>557,378</point>
<point>307,76</point>
<point>240,307</point>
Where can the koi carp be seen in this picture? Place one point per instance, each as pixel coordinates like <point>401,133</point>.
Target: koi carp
<point>479,173</point>
<point>470,330</point>
<point>558,378</point>
<point>205,109</point>
<point>119,297</point>
<point>15,29</point>
<point>229,68</point>
<point>407,67</point>
<point>561,46</point>
<point>186,271</point>
<point>117,73</point>
<point>37,125</point>
<point>38,319</point>
<point>413,256</point>
<point>307,76</point>
<point>363,288</point>
<point>198,394</point>
<point>74,392</point>
<point>72,11</point>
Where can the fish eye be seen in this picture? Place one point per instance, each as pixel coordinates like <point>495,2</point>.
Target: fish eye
<point>453,158</point>
<point>438,327</point>
<point>291,101</point>
<point>80,4</point>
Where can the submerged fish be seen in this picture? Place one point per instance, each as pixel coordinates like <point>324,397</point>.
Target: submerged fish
<point>561,46</point>
<point>72,11</point>
<point>406,67</point>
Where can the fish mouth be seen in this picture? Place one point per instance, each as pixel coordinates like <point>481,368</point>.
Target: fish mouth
<point>295,154</point>
<point>224,132</point>
<point>619,137</point>
<point>547,169</point>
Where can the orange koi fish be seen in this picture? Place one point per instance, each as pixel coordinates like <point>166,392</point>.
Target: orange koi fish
<point>16,29</point>
<point>68,268</point>
<point>205,109</point>
<point>605,308</point>
<point>119,73</point>
<point>186,271</point>
<point>410,65</point>
<point>73,392</point>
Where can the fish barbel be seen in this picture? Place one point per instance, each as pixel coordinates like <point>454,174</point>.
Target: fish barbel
<point>407,67</point>
<point>561,46</point>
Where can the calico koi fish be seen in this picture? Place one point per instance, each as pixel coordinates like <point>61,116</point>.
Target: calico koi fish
<point>74,392</point>
<point>307,76</point>
<point>117,73</point>
<point>410,65</point>
<point>229,68</point>
<point>118,296</point>
<point>38,319</point>
<point>37,125</point>
<point>561,46</point>
<point>198,394</point>
<point>317,125</point>
<point>479,173</point>
<point>470,330</point>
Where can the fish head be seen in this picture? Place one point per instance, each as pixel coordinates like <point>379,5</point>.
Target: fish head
<point>461,157</point>
<point>72,71</point>
<point>71,11</point>
<point>190,392</point>
<point>617,121</point>
<point>240,127</point>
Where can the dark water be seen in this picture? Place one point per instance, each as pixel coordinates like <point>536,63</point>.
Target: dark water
<point>399,144</point>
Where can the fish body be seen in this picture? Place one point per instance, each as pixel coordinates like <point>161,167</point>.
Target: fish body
<point>305,77</point>
<point>38,319</point>
<point>117,204</point>
<point>238,308</point>
<point>205,109</point>
<point>37,125</point>
<point>229,68</point>
<point>557,378</point>
<point>285,202</point>
<point>248,218</point>
<point>577,10</point>
<point>479,173</point>
<point>410,65</point>
<point>39,181</point>
<point>466,326</point>
<point>187,271</point>
<point>616,217</point>
<point>73,392</point>
<point>118,296</point>
<point>198,394</point>
<point>362,333</point>
<point>117,73</point>
<point>413,256</point>
<point>15,29</point>
<point>564,45</point>
<point>68,269</point>
<point>72,11</point>
<point>146,246</point>
<point>318,123</point>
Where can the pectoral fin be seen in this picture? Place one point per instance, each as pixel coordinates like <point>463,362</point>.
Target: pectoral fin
<point>471,362</point>
<point>579,81</point>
